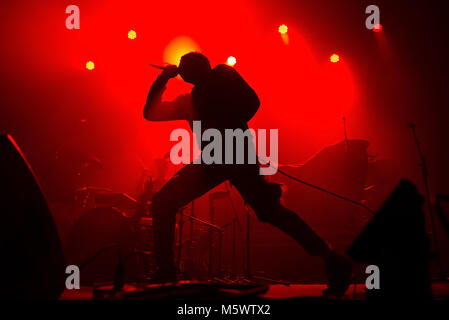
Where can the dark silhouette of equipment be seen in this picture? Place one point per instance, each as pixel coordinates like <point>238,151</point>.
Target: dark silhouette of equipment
<point>33,264</point>
<point>425,175</point>
<point>97,229</point>
<point>442,210</point>
<point>395,240</point>
<point>442,214</point>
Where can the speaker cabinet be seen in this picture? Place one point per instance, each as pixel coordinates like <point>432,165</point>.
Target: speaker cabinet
<point>32,264</point>
<point>396,241</point>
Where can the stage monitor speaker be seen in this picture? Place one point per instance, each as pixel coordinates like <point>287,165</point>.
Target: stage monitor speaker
<point>396,241</point>
<point>32,264</point>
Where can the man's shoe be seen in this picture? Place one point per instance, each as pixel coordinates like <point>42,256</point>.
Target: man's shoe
<point>339,272</point>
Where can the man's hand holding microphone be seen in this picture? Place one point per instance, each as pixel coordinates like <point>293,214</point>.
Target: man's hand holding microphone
<point>170,71</point>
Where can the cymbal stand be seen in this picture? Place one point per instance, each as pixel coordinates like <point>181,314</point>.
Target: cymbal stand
<point>425,175</point>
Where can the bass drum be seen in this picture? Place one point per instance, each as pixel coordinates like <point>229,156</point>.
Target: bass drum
<point>94,242</point>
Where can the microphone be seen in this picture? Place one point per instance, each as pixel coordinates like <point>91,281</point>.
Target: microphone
<point>157,66</point>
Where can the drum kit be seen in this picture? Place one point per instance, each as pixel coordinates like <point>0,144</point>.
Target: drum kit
<point>105,229</point>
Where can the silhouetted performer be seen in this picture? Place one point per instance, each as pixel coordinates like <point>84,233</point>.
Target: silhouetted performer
<point>221,99</point>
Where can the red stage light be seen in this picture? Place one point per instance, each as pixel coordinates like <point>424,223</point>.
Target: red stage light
<point>132,34</point>
<point>90,65</point>
<point>231,61</point>
<point>334,58</point>
<point>283,29</point>
<point>378,28</point>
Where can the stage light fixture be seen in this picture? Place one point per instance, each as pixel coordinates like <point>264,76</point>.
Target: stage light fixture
<point>334,58</point>
<point>90,65</point>
<point>378,28</point>
<point>132,34</point>
<point>178,47</point>
<point>231,61</point>
<point>283,29</point>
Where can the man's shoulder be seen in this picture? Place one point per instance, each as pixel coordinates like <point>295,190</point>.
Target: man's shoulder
<point>225,74</point>
<point>223,66</point>
<point>223,69</point>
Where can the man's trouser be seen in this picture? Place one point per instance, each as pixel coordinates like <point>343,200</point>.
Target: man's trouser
<point>194,180</point>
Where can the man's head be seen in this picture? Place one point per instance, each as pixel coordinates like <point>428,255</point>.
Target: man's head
<point>194,67</point>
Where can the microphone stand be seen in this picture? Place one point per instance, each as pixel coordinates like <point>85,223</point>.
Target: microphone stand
<point>425,175</point>
<point>344,128</point>
<point>235,224</point>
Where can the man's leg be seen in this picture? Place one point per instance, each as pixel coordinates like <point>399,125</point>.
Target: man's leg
<point>188,184</point>
<point>265,199</point>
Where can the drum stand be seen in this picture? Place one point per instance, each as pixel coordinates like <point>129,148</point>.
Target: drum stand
<point>248,276</point>
<point>212,230</point>
<point>235,224</point>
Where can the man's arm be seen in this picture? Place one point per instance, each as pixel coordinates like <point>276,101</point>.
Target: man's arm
<point>157,110</point>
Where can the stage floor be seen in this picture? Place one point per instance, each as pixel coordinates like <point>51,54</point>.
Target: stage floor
<point>279,291</point>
